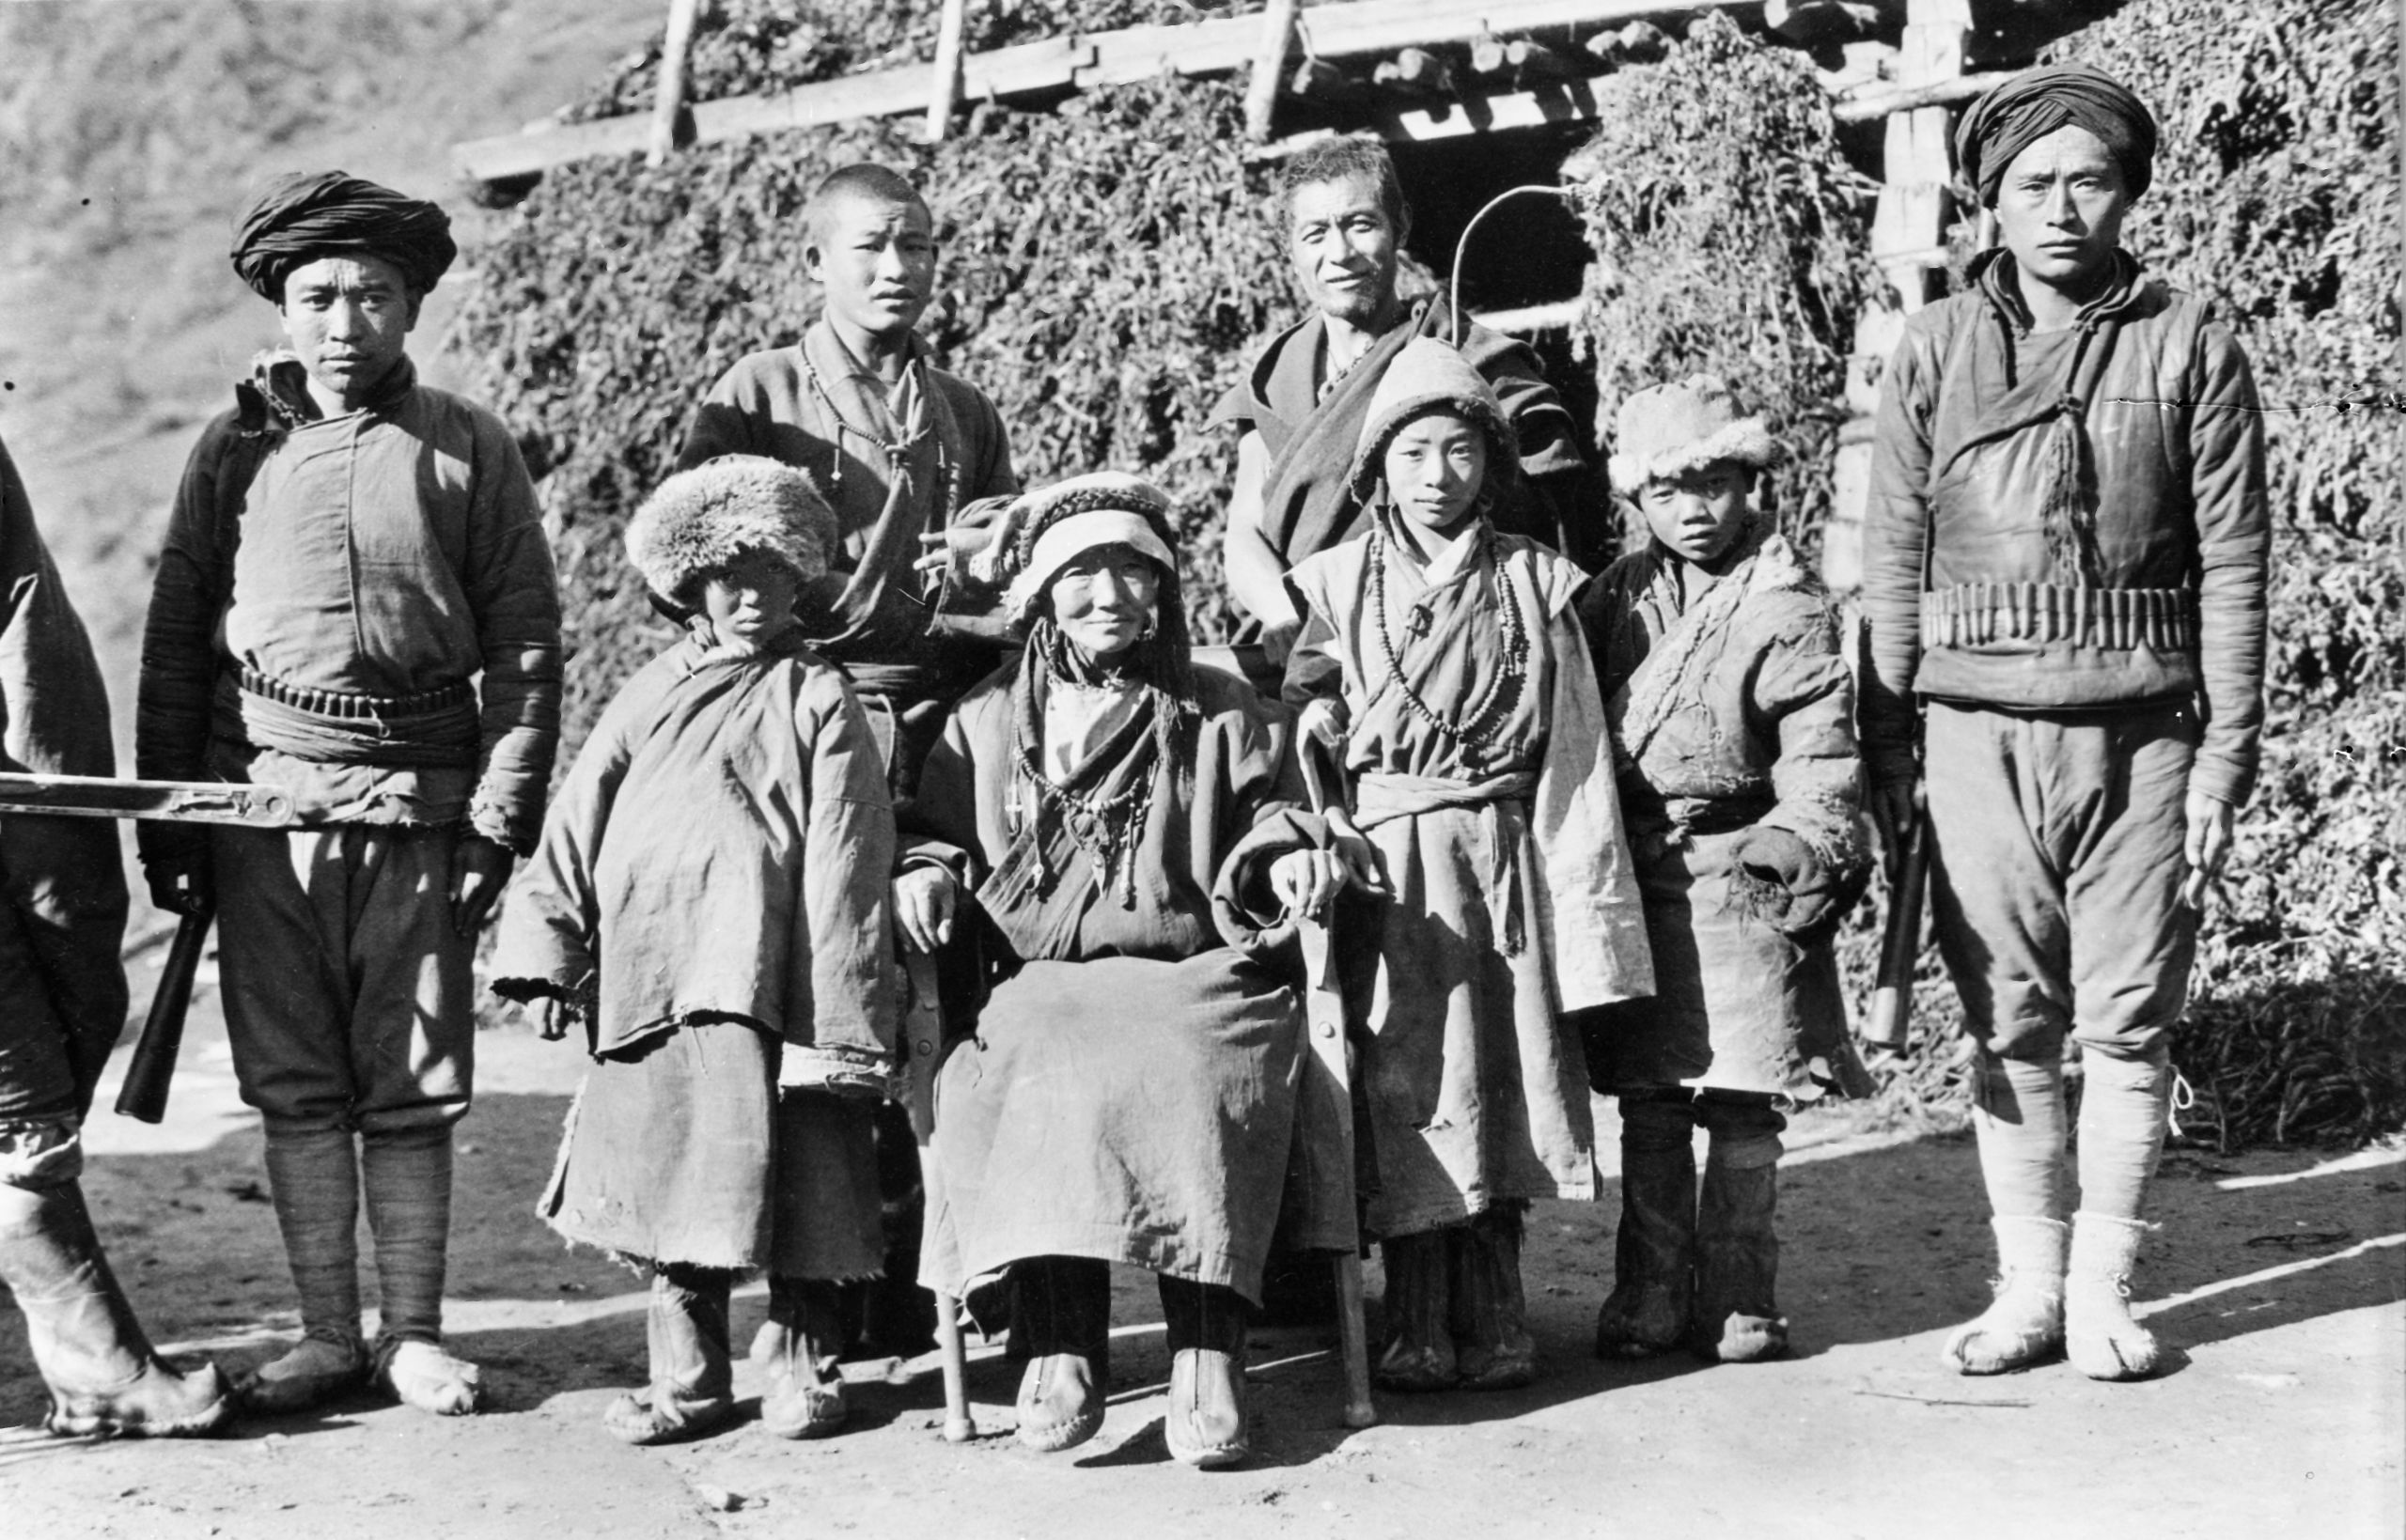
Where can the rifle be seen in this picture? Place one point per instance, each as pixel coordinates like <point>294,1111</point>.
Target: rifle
<point>1324,1021</point>
<point>144,1094</point>
<point>1892,1002</point>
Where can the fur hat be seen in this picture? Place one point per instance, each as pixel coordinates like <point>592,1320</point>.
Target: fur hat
<point>1427,377</point>
<point>1669,431</point>
<point>1044,531</point>
<point>700,521</point>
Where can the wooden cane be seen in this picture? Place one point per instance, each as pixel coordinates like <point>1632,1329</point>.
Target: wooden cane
<point>923,1035</point>
<point>1324,1021</point>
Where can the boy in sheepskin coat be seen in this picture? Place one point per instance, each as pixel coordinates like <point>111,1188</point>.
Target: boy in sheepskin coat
<point>1733,731</point>
<point>710,908</point>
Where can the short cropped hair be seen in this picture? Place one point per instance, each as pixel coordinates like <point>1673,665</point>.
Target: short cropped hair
<point>1337,160</point>
<point>861,179</point>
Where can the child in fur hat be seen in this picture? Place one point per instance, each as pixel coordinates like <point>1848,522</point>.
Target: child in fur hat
<point>1441,662</point>
<point>1732,716</point>
<point>709,907</point>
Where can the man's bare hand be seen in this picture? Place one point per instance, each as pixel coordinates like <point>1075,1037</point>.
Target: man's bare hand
<point>1323,720</point>
<point>924,900</point>
<point>2206,844</point>
<point>551,1018</point>
<point>181,889</point>
<point>947,551</point>
<point>1357,855</point>
<point>1896,808</point>
<point>479,870</point>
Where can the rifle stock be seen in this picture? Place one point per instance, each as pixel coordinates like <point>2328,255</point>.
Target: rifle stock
<point>1892,1002</point>
<point>144,1094</point>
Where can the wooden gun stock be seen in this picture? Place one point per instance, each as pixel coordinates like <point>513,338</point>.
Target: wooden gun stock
<point>1892,1000</point>
<point>145,1093</point>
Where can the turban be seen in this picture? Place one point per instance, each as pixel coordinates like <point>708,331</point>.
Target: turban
<point>300,218</point>
<point>2011,118</point>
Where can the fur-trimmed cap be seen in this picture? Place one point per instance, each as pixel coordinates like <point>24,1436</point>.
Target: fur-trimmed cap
<point>1045,530</point>
<point>700,521</point>
<point>1669,431</point>
<point>1429,377</point>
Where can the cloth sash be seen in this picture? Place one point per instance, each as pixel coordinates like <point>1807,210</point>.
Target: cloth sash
<point>1502,802</point>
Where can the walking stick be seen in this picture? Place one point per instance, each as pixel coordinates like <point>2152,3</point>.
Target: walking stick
<point>1324,1021</point>
<point>923,1035</point>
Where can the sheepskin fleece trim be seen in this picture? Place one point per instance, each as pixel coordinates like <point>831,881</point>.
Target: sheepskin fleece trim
<point>700,521</point>
<point>1746,441</point>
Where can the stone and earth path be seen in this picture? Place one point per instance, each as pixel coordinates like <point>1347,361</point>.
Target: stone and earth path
<point>2280,1275</point>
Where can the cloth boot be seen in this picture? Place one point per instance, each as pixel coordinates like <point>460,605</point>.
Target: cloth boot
<point>313,1174</point>
<point>1486,1311</point>
<point>2100,1337</point>
<point>1737,1246</point>
<point>804,1398</point>
<point>2123,1105</point>
<point>1204,1426</point>
<point>692,1380</point>
<point>1063,1303</point>
<point>2025,1323</point>
<point>408,1174</point>
<point>1654,1255</point>
<point>104,1376</point>
<point>1419,1353</point>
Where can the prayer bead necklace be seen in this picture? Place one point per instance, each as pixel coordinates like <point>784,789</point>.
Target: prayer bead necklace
<point>1476,733</point>
<point>896,451</point>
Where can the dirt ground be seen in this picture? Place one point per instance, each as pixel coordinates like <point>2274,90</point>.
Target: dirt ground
<point>2280,1276</point>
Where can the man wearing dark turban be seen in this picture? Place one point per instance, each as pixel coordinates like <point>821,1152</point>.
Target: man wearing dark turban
<point>356,604</point>
<point>2064,570</point>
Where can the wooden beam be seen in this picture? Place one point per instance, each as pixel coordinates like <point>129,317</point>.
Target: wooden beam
<point>1269,64</point>
<point>1221,46</point>
<point>669,105</point>
<point>944,93</point>
<point>1869,105</point>
<point>1570,101</point>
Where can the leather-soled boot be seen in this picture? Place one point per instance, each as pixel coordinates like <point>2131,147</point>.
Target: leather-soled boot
<point>104,1376</point>
<point>1064,1305</point>
<point>1205,1427</point>
<point>1654,1254</point>
<point>1488,1315</point>
<point>1419,1353</point>
<point>692,1381</point>
<point>804,1398</point>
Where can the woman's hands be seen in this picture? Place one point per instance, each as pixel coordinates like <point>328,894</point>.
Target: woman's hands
<point>1305,881</point>
<point>924,900</point>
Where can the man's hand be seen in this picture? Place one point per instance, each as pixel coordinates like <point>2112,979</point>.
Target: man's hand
<point>1322,722</point>
<point>551,1018</point>
<point>179,888</point>
<point>924,900</point>
<point>946,551</point>
<point>2206,845</point>
<point>479,870</point>
<point>1356,855</point>
<point>1894,809</point>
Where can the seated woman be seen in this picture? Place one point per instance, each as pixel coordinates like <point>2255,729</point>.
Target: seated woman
<point>1127,831</point>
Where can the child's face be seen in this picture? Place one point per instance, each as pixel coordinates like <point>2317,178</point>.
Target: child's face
<point>750,602</point>
<point>1434,468</point>
<point>1104,600</point>
<point>877,260</point>
<point>1699,515</point>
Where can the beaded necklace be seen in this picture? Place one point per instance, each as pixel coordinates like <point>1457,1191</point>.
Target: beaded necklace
<point>1105,828</point>
<point>1475,734</point>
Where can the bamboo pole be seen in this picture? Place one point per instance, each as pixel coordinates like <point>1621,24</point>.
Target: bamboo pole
<point>945,94</point>
<point>670,104</point>
<point>1269,66</point>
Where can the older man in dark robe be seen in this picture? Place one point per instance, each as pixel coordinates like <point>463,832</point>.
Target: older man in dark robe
<point>1303,403</point>
<point>2064,570</point>
<point>62,1005</point>
<point>355,605</point>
